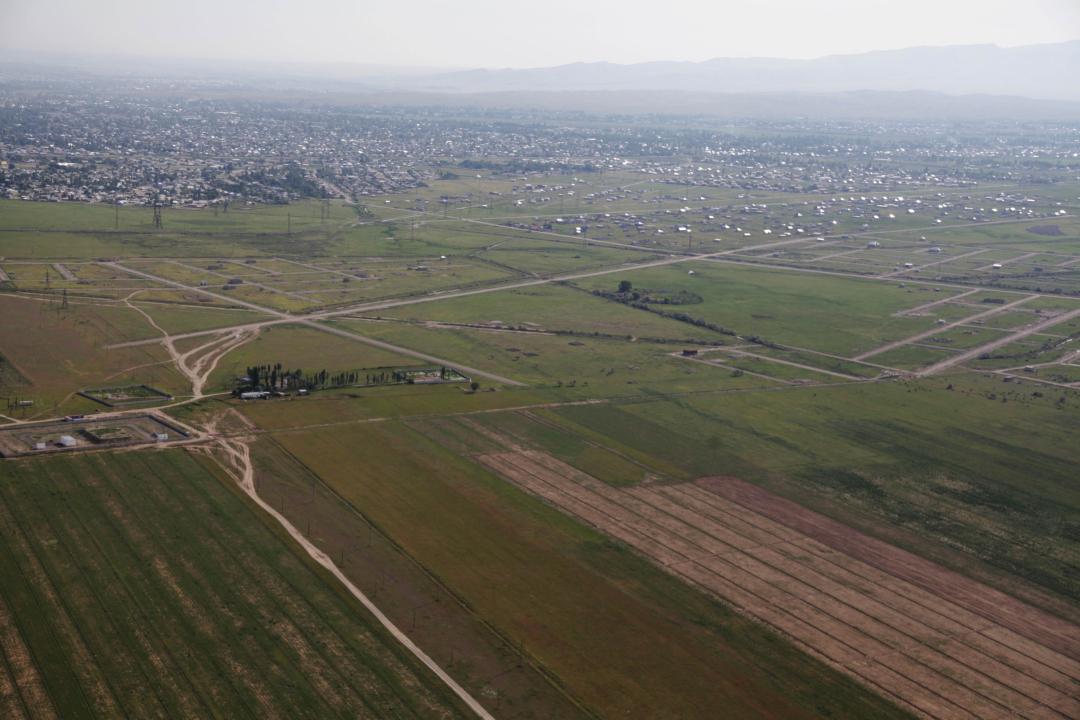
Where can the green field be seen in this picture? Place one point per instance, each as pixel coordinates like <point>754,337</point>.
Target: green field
<point>141,585</point>
<point>828,314</point>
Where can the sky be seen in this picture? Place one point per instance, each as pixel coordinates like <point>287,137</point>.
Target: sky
<point>512,33</point>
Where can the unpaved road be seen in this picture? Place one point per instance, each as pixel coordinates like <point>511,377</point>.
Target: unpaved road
<point>238,453</point>
<point>963,357</point>
<point>942,328</point>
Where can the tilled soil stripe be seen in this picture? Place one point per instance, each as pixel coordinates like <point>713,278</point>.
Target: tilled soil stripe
<point>17,672</point>
<point>714,574</point>
<point>1006,665</point>
<point>1053,668</point>
<point>901,630</point>
<point>896,631</point>
<point>1005,610</point>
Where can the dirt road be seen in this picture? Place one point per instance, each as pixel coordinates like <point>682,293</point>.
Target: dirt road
<point>963,357</point>
<point>942,328</point>
<point>241,468</point>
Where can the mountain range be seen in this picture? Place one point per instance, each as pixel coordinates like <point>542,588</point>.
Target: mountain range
<point>1047,72</point>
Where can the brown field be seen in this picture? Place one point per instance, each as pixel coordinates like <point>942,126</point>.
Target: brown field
<point>937,643</point>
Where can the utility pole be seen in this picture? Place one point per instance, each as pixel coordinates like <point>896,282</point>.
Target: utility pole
<point>116,216</point>
<point>289,216</point>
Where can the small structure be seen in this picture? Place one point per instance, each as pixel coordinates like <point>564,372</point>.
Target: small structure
<point>161,437</point>
<point>254,395</point>
<point>67,441</point>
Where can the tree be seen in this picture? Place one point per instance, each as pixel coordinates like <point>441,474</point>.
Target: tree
<point>474,386</point>
<point>625,286</point>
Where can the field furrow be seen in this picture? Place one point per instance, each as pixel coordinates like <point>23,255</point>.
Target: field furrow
<point>1020,653</point>
<point>17,673</point>
<point>902,639</point>
<point>90,677</point>
<point>1002,609</point>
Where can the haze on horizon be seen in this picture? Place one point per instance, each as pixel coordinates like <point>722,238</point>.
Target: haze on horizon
<point>486,33</point>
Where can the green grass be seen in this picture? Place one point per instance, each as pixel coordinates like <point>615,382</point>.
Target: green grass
<point>600,461</point>
<point>912,357</point>
<point>577,366</point>
<point>142,585</point>
<point>62,351</point>
<point>829,314</point>
<point>545,307</point>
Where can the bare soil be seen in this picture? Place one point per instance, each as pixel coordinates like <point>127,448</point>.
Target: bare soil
<point>937,643</point>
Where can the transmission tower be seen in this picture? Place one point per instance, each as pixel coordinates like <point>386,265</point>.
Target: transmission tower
<point>157,217</point>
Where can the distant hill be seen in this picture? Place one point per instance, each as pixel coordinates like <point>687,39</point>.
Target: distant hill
<point>1037,71</point>
<point>969,82</point>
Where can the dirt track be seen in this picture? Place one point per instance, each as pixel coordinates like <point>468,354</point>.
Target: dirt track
<point>239,464</point>
<point>935,642</point>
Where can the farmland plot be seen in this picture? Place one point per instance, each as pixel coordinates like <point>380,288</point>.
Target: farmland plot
<point>138,585</point>
<point>939,644</point>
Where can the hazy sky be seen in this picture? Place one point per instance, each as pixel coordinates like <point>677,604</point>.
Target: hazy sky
<point>511,33</point>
